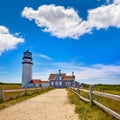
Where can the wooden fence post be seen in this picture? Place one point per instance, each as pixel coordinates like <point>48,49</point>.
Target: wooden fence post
<point>25,91</point>
<point>1,93</point>
<point>78,90</point>
<point>91,93</point>
<point>36,90</point>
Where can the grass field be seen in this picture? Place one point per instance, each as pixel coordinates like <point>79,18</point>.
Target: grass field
<point>10,86</point>
<point>113,89</point>
<point>86,111</point>
<point>110,103</point>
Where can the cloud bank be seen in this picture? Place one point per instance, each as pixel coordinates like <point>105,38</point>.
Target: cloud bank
<point>57,20</point>
<point>97,73</point>
<point>8,41</point>
<point>65,22</point>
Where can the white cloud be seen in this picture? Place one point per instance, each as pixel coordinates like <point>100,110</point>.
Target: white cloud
<point>44,56</point>
<point>8,41</point>
<point>57,20</point>
<point>3,29</point>
<point>98,73</point>
<point>62,23</point>
<point>116,2</point>
<point>104,16</point>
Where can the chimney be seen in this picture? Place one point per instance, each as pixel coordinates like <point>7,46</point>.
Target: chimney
<point>72,73</point>
<point>59,72</point>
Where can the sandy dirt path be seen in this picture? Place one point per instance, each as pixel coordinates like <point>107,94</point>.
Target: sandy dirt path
<point>53,105</point>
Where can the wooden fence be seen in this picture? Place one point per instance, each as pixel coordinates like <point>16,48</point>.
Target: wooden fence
<point>112,96</point>
<point>10,94</point>
<point>115,97</point>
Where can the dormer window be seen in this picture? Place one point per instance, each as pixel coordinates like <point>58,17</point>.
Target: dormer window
<point>58,77</point>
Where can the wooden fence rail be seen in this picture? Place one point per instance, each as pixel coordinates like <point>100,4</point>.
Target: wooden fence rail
<point>21,89</point>
<point>4,92</point>
<point>81,97</point>
<point>116,97</point>
<point>112,96</point>
<point>116,115</point>
<point>7,91</point>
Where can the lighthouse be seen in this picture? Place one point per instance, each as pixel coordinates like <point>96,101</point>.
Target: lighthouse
<point>26,68</point>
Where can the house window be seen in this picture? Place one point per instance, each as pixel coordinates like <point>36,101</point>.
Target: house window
<point>56,77</point>
<point>56,83</point>
<point>68,83</point>
<point>60,77</point>
<point>60,83</point>
<point>52,83</point>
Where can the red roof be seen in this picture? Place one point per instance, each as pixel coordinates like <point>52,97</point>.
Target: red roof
<point>35,81</point>
<point>45,81</point>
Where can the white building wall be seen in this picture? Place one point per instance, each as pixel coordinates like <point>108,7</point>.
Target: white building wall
<point>26,74</point>
<point>45,85</point>
<point>37,85</point>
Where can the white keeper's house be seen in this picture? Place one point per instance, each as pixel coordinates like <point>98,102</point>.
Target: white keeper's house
<point>61,80</point>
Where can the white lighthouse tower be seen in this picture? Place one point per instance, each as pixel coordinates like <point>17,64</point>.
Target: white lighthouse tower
<point>27,68</point>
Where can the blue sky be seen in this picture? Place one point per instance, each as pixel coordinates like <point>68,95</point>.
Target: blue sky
<point>72,35</point>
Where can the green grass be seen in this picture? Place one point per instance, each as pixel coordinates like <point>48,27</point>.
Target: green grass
<point>85,94</point>
<point>18,97</point>
<point>10,86</point>
<point>86,111</point>
<point>13,95</point>
<point>113,89</point>
<point>110,103</point>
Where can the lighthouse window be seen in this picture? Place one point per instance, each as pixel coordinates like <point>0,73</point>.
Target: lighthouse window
<point>27,55</point>
<point>27,60</point>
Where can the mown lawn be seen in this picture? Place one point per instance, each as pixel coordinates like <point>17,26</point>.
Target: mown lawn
<point>86,111</point>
